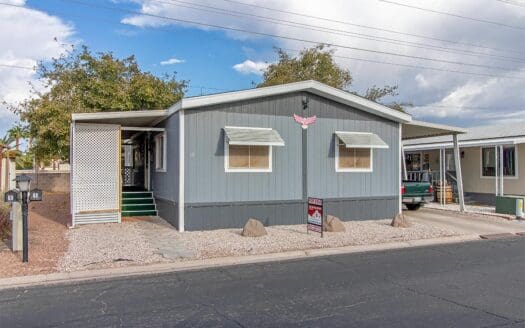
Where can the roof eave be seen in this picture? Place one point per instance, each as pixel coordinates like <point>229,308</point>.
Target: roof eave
<point>314,87</point>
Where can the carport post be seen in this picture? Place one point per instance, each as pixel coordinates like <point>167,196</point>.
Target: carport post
<point>404,163</point>
<point>459,176</point>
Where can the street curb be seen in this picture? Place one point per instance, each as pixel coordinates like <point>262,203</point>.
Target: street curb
<point>103,274</point>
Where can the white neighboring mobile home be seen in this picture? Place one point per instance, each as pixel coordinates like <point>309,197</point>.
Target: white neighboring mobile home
<point>492,159</point>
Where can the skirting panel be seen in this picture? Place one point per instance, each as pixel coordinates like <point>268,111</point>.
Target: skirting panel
<point>234,215</point>
<point>112,217</point>
<point>168,210</point>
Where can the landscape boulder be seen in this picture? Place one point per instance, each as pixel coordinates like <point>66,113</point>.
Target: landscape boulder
<point>253,228</point>
<point>333,224</point>
<point>399,221</point>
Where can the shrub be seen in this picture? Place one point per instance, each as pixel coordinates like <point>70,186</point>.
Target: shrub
<point>5,224</point>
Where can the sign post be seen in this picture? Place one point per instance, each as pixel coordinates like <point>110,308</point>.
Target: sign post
<point>315,216</point>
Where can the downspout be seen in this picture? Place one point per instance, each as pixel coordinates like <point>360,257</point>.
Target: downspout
<point>181,170</point>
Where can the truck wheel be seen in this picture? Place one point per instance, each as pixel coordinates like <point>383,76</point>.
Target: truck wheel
<point>413,207</point>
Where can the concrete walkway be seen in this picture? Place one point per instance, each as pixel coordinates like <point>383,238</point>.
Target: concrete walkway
<point>465,223</point>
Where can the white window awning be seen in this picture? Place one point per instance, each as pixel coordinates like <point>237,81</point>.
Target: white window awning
<point>360,139</point>
<point>253,136</point>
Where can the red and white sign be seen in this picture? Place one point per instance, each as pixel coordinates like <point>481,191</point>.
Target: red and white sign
<point>314,221</point>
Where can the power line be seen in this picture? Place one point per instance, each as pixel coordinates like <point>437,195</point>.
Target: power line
<point>421,67</point>
<point>479,20</point>
<point>191,22</point>
<point>514,3</point>
<point>371,27</point>
<point>217,10</point>
<point>16,66</point>
<point>342,57</point>
<point>337,56</point>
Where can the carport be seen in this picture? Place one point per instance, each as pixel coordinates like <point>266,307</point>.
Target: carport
<point>419,130</point>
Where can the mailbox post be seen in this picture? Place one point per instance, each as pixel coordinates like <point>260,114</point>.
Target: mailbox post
<point>23,195</point>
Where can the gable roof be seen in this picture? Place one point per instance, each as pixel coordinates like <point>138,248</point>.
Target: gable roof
<point>311,86</point>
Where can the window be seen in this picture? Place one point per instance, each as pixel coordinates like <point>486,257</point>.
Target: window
<point>256,158</point>
<point>160,152</point>
<point>353,159</point>
<point>488,161</point>
<point>249,149</point>
<point>353,151</point>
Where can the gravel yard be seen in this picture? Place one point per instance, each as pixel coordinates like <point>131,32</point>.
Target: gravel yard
<point>151,240</point>
<point>229,242</point>
<point>137,241</point>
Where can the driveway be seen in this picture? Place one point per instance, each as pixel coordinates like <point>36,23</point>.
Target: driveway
<point>465,223</point>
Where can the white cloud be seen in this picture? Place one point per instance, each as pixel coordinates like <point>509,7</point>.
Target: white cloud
<point>24,45</point>
<point>172,61</point>
<point>417,85</point>
<point>251,67</point>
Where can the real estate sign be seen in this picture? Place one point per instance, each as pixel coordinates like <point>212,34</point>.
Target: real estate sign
<point>314,221</point>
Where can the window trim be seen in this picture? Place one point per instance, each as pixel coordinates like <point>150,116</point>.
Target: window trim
<point>357,170</point>
<point>162,168</point>
<point>508,177</point>
<point>227,168</point>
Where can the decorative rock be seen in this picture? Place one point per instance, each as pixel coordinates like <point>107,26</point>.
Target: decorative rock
<point>399,221</point>
<point>333,224</point>
<point>253,228</point>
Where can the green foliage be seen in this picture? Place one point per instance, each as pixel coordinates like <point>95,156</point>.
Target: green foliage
<point>317,63</point>
<point>81,81</point>
<point>18,132</point>
<point>25,161</point>
<point>314,63</point>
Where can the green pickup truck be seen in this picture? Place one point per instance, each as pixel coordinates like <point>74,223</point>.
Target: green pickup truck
<point>416,193</point>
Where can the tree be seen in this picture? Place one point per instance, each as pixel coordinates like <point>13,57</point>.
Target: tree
<point>312,64</point>
<point>317,63</point>
<point>81,81</point>
<point>18,132</point>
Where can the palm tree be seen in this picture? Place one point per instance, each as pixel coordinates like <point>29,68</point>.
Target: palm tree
<point>17,132</point>
<point>5,143</point>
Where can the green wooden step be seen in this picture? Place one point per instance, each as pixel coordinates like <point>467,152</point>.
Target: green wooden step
<point>137,201</point>
<point>138,213</point>
<point>128,195</point>
<point>143,207</point>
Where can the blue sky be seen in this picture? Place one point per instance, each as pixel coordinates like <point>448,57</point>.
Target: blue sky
<point>208,56</point>
<point>461,76</point>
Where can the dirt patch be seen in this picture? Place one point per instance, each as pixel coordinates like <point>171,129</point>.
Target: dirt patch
<point>47,242</point>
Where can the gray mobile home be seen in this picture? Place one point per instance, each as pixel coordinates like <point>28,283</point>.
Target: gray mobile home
<point>214,161</point>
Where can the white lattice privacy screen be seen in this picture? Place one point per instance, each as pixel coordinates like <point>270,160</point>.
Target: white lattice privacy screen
<point>95,173</point>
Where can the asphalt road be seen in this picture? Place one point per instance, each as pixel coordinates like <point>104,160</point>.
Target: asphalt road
<point>476,284</point>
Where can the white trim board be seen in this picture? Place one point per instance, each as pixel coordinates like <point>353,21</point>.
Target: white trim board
<point>467,143</point>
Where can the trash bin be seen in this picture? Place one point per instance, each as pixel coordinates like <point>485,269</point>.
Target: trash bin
<point>511,204</point>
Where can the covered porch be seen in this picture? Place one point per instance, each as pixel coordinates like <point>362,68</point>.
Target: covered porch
<point>439,168</point>
<point>112,160</point>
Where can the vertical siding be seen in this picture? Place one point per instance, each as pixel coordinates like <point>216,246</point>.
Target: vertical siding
<point>206,181</point>
<point>166,184</point>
